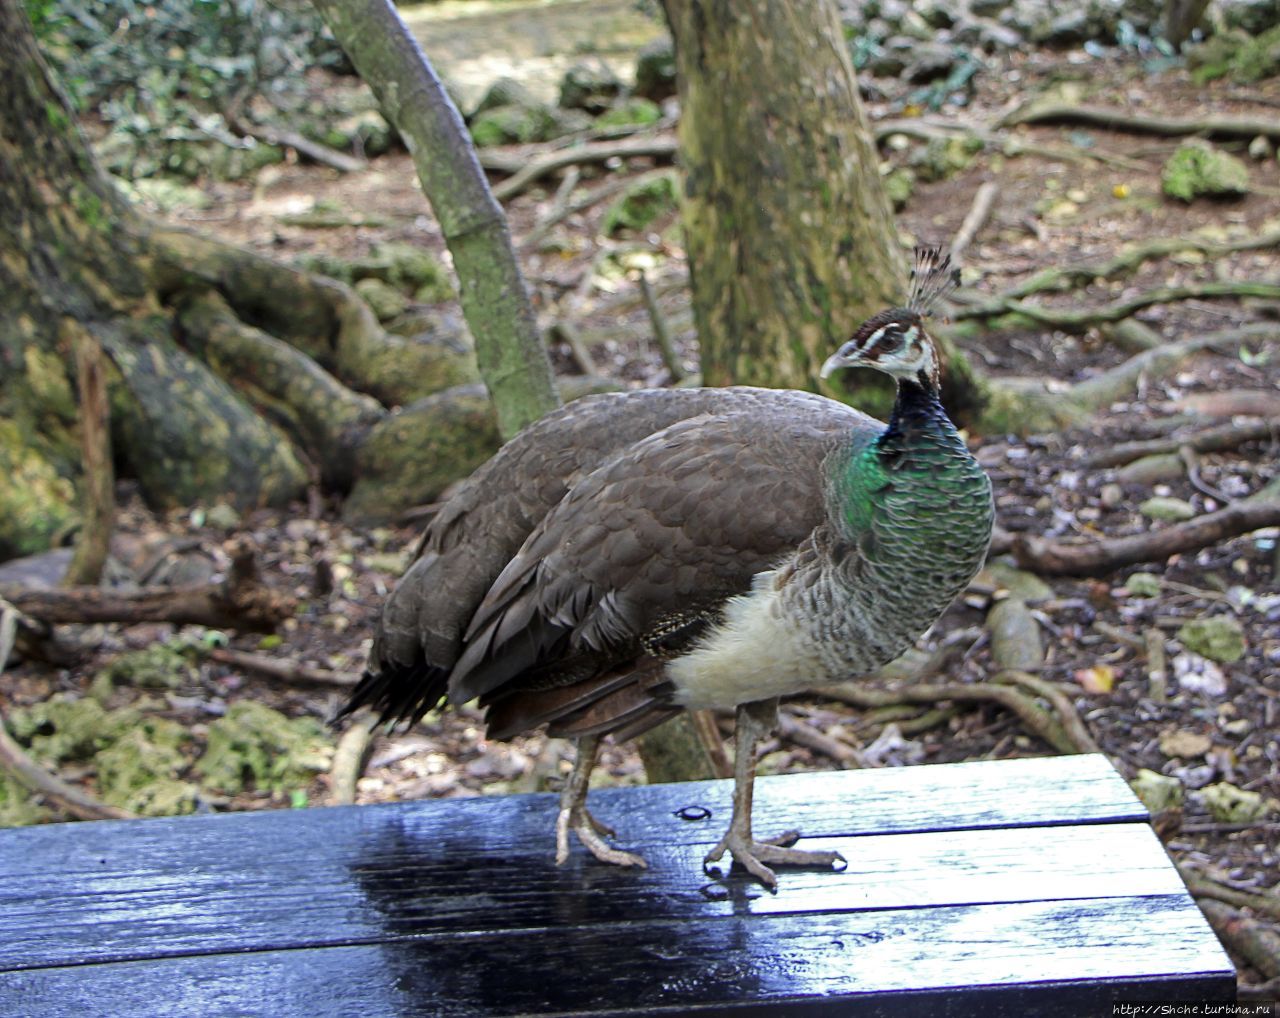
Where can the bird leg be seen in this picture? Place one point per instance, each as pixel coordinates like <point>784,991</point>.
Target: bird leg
<point>755,721</point>
<point>575,817</point>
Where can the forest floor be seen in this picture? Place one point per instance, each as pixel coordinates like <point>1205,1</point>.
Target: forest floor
<point>1100,191</point>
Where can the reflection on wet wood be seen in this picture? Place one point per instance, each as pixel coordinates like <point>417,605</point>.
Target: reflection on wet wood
<point>1016,887</point>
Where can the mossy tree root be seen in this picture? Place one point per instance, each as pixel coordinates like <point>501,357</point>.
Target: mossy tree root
<point>321,317</point>
<point>324,418</point>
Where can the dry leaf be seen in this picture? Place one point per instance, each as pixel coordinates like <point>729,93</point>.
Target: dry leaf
<point>1098,679</point>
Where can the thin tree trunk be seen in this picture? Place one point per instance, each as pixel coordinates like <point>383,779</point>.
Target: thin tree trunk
<point>790,236</point>
<point>495,300</point>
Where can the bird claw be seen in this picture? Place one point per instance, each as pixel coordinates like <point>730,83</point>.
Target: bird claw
<point>752,855</point>
<point>591,832</point>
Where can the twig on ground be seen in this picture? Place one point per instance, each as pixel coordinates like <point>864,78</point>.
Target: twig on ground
<point>661,333</point>
<point>611,187</point>
<point>29,774</point>
<point>983,201</point>
<point>1092,558</point>
<point>1157,665</point>
<point>304,146</point>
<point>348,762</point>
<point>284,671</point>
<point>569,334</point>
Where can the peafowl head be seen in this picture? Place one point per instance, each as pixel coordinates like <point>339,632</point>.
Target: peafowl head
<point>895,340</point>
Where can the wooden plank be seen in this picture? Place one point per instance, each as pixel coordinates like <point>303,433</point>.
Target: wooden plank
<point>394,886</point>
<point>97,892</point>
<point>987,961</point>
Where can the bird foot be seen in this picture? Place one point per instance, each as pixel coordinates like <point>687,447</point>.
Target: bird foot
<point>752,855</point>
<point>591,832</point>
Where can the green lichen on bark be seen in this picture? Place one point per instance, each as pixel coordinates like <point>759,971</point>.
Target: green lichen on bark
<point>790,234</point>
<point>189,438</point>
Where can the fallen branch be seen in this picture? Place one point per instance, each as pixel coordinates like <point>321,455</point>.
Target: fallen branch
<point>29,774</point>
<point>1258,943</point>
<point>1091,558</point>
<point>1118,120</point>
<point>304,146</point>
<point>238,602</point>
<point>284,671</point>
<point>611,187</point>
<point>1214,439</point>
<point>658,148</point>
<point>979,212</point>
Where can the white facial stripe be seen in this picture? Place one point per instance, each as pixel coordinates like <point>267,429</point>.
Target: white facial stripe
<point>869,343</point>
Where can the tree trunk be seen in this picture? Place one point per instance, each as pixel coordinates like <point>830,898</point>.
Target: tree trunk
<point>494,297</point>
<point>790,236</point>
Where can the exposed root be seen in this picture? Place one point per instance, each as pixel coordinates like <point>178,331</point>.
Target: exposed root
<point>1130,258</point>
<point>1094,558</point>
<point>1218,438</point>
<point>348,762</point>
<point>804,734</point>
<point>1118,120</point>
<point>1072,320</point>
<point>1038,721</point>
<point>531,172</point>
<point>1072,724</point>
<point>1257,942</point>
<point>1203,886</point>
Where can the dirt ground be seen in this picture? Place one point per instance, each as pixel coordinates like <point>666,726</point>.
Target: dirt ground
<point>1050,212</point>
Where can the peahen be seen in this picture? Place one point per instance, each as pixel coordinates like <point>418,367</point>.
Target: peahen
<point>634,554</point>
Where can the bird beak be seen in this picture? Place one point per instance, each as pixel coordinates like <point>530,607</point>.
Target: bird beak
<point>833,362</point>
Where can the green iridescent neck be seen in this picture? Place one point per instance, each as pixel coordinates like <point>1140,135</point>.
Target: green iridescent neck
<point>919,435</point>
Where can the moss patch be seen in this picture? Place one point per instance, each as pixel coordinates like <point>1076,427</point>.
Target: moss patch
<point>62,729</point>
<point>641,204</point>
<point>138,771</point>
<point>1198,169</point>
<point>18,807</point>
<point>1219,638</point>
<point>160,666</point>
<point>253,746</point>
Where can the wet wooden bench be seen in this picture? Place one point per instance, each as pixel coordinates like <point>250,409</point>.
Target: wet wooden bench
<point>1031,887</point>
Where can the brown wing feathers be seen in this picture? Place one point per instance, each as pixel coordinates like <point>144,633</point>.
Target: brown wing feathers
<point>717,486</point>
